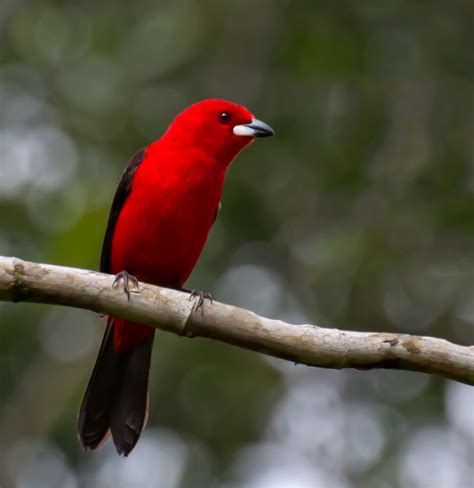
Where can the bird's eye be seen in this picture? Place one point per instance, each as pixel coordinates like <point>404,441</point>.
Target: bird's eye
<point>224,117</point>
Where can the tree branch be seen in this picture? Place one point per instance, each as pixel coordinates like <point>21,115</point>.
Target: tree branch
<point>172,311</point>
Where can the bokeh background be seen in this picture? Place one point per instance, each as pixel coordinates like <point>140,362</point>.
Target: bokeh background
<point>359,214</point>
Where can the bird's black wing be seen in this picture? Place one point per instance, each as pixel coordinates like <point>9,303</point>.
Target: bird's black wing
<point>121,194</point>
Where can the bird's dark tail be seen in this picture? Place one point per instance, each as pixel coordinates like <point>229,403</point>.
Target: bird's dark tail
<point>116,397</point>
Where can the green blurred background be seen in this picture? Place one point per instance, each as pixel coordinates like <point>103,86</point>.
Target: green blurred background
<point>359,214</point>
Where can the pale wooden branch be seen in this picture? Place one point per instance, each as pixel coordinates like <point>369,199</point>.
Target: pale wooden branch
<point>172,311</point>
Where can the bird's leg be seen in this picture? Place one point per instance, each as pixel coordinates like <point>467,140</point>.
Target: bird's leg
<point>127,278</point>
<point>199,297</point>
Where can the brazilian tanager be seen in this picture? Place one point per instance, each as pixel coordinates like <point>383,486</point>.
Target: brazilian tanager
<point>163,209</point>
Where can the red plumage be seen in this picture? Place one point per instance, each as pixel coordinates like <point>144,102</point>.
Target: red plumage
<point>162,212</point>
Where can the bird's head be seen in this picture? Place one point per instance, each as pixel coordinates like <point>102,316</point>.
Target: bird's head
<point>217,127</point>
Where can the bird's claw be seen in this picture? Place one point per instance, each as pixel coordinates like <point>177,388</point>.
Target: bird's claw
<point>200,296</point>
<point>127,278</point>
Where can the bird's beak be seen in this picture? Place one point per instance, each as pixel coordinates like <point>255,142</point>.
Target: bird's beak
<point>256,128</point>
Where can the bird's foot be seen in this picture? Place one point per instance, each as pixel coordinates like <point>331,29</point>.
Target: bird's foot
<point>127,279</point>
<point>199,297</point>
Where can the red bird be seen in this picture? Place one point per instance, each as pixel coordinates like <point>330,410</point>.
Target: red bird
<point>163,209</point>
